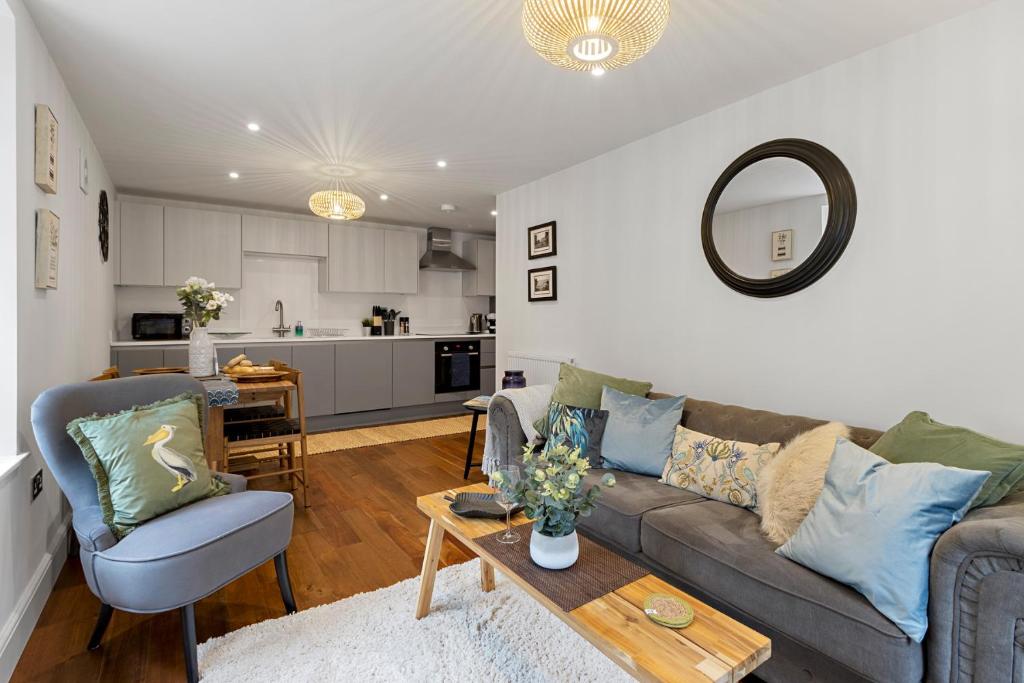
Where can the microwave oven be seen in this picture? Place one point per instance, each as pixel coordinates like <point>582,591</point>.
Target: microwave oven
<point>160,326</point>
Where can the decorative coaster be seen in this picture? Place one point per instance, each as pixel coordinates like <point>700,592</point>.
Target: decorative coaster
<point>668,610</point>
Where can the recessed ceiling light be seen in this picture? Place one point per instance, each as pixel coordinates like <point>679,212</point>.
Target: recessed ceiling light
<point>442,163</point>
<point>494,213</point>
<point>233,175</point>
<point>254,127</point>
<point>383,197</point>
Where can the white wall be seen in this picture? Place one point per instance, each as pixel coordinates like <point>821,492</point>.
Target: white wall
<point>923,311</point>
<point>62,334</point>
<point>438,306</point>
<point>743,238</point>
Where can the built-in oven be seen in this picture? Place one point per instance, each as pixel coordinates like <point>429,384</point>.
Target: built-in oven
<point>456,366</point>
<point>159,326</point>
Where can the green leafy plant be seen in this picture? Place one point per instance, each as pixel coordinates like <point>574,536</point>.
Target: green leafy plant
<point>551,489</point>
<point>202,302</point>
<point>367,322</point>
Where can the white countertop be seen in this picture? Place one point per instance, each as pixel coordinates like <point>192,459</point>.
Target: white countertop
<point>253,340</point>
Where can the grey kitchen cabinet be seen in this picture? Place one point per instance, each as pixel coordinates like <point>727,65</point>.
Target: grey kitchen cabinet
<point>479,282</point>
<point>487,345</point>
<point>487,381</point>
<point>226,353</point>
<point>413,378</point>
<point>204,243</point>
<point>130,360</point>
<point>273,235</point>
<point>401,262</point>
<point>262,354</point>
<point>355,259</point>
<point>363,376</point>
<point>142,244</point>
<point>176,357</point>
<point>316,361</point>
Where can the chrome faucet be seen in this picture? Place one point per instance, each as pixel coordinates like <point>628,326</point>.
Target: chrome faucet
<point>281,330</point>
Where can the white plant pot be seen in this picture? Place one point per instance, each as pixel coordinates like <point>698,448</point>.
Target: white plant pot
<point>366,331</point>
<point>554,553</point>
<point>201,353</point>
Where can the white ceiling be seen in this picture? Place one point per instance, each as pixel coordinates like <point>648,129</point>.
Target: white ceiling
<point>388,87</point>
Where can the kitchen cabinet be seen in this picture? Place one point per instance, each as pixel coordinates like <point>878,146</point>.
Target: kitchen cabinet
<point>142,244</point>
<point>479,282</point>
<point>262,354</point>
<point>272,235</point>
<point>130,360</point>
<point>363,376</point>
<point>487,381</point>
<point>207,244</point>
<point>401,262</point>
<point>413,373</point>
<point>316,361</point>
<point>355,259</point>
<point>176,357</point>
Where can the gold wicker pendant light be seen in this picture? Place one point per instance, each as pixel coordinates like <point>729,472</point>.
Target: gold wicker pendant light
<point>594,35</point>
<point>337,205</point>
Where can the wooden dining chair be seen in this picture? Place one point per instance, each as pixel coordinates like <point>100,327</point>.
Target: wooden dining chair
<point>275,432</point>
<point>110,373</point>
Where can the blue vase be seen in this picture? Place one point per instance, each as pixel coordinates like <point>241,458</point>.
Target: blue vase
<point>513,379</point>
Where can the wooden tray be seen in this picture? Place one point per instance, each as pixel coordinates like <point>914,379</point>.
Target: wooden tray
<point>160,371</point>
<point>257,376</point>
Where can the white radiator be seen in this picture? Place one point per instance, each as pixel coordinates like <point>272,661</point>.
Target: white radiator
<point>537,368</point>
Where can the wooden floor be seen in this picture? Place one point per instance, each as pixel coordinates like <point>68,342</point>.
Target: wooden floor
<point>362,532</point>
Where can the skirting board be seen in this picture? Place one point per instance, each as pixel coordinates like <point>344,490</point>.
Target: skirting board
<point>16,630</point>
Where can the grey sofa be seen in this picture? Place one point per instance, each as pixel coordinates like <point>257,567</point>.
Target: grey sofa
<point>174,560</point>
<point>820,629</point>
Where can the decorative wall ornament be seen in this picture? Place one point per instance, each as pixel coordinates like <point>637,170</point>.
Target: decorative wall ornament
<point>594,35</point>
<point>337,205</point>
<point>782,245</point>
<point>104,225</point>
<point>541,240</point>
<point>47,248</point>
<point>542,284</point>
<point>47,134</point>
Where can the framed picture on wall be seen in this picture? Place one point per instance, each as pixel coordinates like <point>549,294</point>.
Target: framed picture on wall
<point>47,248</point>
<point>47,132</point>
<point>782,245</point>
<point>541,240</point>
<point>542,284</point>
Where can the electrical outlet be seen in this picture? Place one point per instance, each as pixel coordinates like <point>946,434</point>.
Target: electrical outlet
<point>37,484</point>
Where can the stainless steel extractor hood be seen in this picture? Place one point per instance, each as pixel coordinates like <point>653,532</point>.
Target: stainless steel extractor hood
<point>439,254</point>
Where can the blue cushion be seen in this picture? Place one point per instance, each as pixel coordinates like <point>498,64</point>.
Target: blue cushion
<point>638,436</point>
<point>874,526</point>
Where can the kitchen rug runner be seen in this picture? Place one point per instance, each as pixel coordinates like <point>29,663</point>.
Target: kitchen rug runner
<point>361,437</point>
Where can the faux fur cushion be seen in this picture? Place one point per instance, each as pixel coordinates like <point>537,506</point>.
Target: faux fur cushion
<point>789,485</point>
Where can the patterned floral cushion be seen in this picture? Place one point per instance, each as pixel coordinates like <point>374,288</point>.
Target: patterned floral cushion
<point>576,428</point>
<point>717,469</point>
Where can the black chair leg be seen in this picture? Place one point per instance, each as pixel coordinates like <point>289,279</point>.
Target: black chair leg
<point>472,444</point>
<point>106,611</point>
<point>284,583</point>
<point>188,637</point>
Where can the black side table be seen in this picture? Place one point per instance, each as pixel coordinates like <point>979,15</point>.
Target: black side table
<point>478,408</point>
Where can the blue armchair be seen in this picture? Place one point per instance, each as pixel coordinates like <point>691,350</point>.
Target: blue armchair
<point>178,558</point>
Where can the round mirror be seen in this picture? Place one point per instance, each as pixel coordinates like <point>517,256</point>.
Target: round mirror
<point>778,218</point>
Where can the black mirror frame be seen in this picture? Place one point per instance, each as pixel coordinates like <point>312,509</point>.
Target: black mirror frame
<point>842,214</point>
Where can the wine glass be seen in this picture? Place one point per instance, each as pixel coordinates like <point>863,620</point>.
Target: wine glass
<point>505,497</point>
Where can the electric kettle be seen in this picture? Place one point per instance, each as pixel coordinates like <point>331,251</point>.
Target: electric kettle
<point>476,323</point>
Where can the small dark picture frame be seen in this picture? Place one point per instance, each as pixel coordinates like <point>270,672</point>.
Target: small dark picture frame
<point>541,241</point>
<point>542,284</point>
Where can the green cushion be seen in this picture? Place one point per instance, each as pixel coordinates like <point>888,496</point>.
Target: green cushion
<point>582,388</point>
<point>918,438</point>
<point>147,461</point>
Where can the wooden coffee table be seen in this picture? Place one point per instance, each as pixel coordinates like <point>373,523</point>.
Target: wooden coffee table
<point>713,648</point>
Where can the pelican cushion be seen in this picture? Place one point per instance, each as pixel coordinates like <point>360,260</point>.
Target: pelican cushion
<point>147,461</point>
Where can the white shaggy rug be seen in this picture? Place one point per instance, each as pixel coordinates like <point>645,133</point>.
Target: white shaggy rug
<point>469,635</point>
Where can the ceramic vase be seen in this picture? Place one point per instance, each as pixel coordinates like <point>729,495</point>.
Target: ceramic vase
<point>553,552</point>
<point>201,353</point>
<point>513,379</point>
<point>366,331</point>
